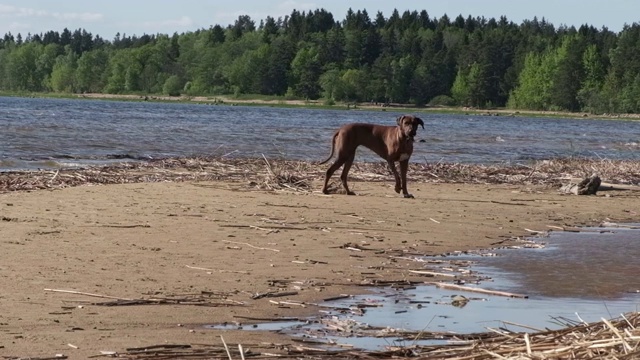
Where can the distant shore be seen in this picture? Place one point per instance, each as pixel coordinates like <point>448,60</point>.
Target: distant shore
<point>369,106</point>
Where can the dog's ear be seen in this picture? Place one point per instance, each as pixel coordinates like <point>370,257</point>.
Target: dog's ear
<point>399,120</point>
<point>420,122</point>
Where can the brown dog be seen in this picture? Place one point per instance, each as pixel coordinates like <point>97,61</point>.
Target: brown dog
<point>392,143</point>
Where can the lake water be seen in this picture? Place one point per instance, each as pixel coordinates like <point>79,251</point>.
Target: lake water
<point>49,133</point>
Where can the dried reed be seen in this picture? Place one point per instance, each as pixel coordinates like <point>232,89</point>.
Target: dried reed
<point>265,174</point>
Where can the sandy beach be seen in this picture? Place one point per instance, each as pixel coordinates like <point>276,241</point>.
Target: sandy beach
<point>220,243</point>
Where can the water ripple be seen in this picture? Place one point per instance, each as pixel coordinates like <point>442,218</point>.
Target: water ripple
<point>39,129</point>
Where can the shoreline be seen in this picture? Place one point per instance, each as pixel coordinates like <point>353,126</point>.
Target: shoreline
<point>317,104</point>
<point>299,175</point>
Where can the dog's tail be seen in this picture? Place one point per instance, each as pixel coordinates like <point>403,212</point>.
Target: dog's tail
<point>333,145</point>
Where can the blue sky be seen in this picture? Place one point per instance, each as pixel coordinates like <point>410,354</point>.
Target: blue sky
<point>106,18</point>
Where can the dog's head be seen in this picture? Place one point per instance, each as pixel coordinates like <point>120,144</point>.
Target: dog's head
<point>409,125</point>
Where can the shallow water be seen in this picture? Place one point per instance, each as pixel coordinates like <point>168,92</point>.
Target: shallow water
<point>50,133</point>
<point>578,277</point>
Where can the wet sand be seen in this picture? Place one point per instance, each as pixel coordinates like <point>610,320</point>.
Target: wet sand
<point>157,240</point>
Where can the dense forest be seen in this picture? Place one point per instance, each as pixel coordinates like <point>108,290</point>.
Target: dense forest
<point>405,58</point>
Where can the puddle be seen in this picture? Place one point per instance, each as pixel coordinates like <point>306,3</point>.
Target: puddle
<point>576,277</point>
<point>265,326</point>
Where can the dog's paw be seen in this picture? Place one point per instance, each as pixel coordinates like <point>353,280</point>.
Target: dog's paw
<point>408,196</point>
<point>350,193</point>
<point>398,189</point>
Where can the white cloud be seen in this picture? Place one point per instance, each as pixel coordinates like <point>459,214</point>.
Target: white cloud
<point>183,21</point>
<point>86,17</point>
<point>289,5</point>
<point>17,27</point>
<point>22,12</point>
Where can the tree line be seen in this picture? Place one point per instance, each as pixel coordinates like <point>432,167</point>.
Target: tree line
<point>404,58</point>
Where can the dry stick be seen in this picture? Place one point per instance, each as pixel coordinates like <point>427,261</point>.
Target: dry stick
<point>477,290</point>
<point>226,348</point>
<point>266,319</point>
<point>420,272</point>
<point>522,326</point>
<point>526,341</point>
<point>128,226</point>
<point>241,351</point>
<point>627,347</point>
<point>55,175</point>
<point>221,271</point>
<point>88,294</point>
<point>263,227</point>
<point>249,245</point>
<point>610,186</point>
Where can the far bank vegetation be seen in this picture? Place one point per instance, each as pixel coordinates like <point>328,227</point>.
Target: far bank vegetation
<point>409,58</point>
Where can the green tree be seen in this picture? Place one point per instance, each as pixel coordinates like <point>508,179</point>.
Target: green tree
<point>172,86</point>
<point>306,71</point>
<point>91,70</point>
<point>569,74</point>
<point>119,62</point>
<point>22,67</point>
<point>460,90</point>
<point>45,63</point>
<point>63,74</point>
<point>535,82</point>
<point>331,84</point>
<point>589,95</point>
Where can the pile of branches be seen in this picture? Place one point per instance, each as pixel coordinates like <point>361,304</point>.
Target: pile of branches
<point>280,174</point>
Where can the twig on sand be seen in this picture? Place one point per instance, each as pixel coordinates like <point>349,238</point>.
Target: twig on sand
<point>431,273</point>
<point>127,226</point>
<point>226,348</point>
<point>477,290</point>
<point>251,246</point>
<point>88,294</point>
<point>220,271</point>
<point>203,299</point>
<point>272,294</point>
<point>266,227</point>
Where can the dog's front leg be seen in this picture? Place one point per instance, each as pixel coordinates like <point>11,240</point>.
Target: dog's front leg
<point>404,166</point>
<point>392,167</point>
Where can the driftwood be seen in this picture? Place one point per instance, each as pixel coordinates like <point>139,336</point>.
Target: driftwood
<point>591,185</point>
<point>586,186</point>
<point>610,186</point>
<point>273,294</point>
<point>202,299</point>
<point>476,290</point>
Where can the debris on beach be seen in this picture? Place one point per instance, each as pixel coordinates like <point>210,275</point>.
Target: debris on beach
<point>297,176</point>
<point>586,186</point>
<point>617,338</point>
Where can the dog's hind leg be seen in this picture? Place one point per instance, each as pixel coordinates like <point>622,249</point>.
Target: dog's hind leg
<point>335,166</point>
<point>345,173</point>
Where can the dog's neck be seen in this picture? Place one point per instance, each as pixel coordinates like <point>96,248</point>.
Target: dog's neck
<point>404,137</point>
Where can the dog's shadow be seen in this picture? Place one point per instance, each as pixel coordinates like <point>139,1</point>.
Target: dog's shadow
<point>338,189</point>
